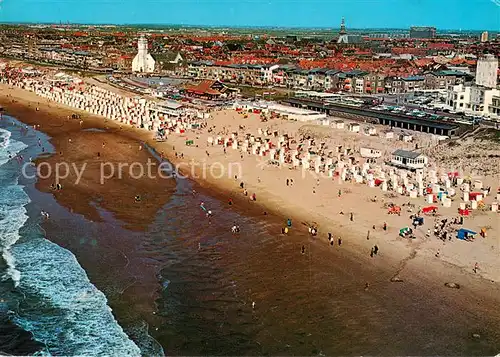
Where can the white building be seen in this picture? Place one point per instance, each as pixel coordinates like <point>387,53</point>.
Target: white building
<point>143,62</point>
<point>481,99</point>
<point>458,98</point>
<point>410,160</point>
<point>343,38</point>
<point>475,100</point>
<point>267,73</point>
<point>486,72</point>
<point>484,36</point>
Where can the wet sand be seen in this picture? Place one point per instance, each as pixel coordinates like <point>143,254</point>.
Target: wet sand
<point>89,149</point>
<point>305,303</point>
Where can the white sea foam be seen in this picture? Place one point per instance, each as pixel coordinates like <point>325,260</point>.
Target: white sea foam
<point>12,202</point>
<point>76,318</point>
<point>65,311</point>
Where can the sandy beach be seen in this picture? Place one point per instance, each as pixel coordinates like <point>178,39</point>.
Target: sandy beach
<point>310,200</point>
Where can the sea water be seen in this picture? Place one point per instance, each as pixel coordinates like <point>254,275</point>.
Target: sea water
<point>49,295</point>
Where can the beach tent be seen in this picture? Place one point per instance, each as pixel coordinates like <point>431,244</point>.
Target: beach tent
<point>464,233</point>
<point>463,212</point>
<point>473,195</point>
<point>419,221</point>
<point>429,209</point>
<point>404,231</point>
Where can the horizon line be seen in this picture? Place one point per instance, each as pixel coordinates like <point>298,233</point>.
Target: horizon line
<point>239,26</point>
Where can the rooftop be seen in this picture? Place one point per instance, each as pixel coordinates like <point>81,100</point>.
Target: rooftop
<point>406,154</point>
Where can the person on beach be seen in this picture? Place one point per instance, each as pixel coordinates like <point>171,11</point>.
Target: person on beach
<point>385,226</point>
<point>476,267</point>
<point>371,253</point>
<point>375,250</point>
<point>340,241</point>
<point>340,193</point>
<point>230,201</point>
<point>303,251</point>
<point>351,217</point>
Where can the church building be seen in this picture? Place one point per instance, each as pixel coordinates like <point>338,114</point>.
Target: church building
<point>143,62</point>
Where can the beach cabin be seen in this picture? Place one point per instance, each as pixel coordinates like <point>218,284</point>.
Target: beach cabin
<point>370,153</point>
<point>353,127</point>
<point>389,135</point>
<point>370,131</point>
<point>337,124</point>
<point>406,138</point>
<point>410,160</point>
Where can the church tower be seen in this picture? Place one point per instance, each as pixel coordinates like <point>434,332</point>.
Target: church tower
<point>343,33</point>
<point>143,62</point>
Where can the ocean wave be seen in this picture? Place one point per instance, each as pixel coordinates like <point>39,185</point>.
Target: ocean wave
<point>61,308</point>
<point>68,313</point>
<point>12,202</point>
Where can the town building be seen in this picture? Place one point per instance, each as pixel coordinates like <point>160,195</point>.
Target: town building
<point>494,108</point>
<point>480,98</point>
<point>441,80</point>
<point>343,33</point>
<point>209,89</point>
<point>486,72</point>
<point>484,36</point>
<point>422,32</point>
<point>458,98</point>
<point>143,62</point>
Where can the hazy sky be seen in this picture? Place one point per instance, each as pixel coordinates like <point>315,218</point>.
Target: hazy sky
<point>444,14</point>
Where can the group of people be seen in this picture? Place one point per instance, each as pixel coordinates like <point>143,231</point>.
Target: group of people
<point>331,240</point>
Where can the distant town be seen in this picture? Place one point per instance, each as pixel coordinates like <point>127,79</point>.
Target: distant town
<point>456,71</point>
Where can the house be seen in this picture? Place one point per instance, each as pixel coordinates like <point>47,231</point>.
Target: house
<point>398,85</point>
<point>410,160</point>
<point>169,61</point>
<point>443,79</point>
<point>209,89</point>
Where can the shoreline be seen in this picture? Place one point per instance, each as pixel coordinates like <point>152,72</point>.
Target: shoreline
<point>432,277</point>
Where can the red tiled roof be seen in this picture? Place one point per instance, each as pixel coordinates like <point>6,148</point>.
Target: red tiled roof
<point>440,46</point>
<point>204,87</point>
